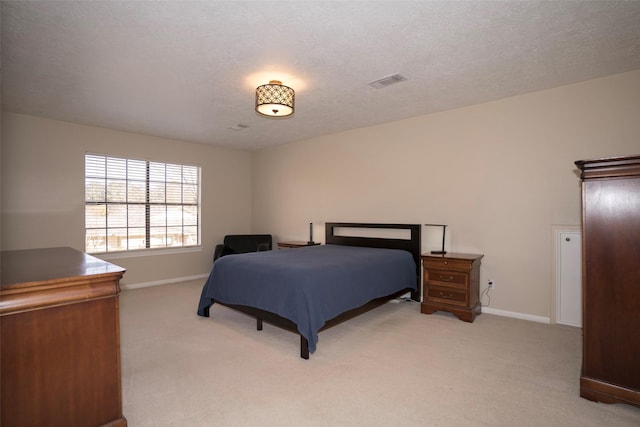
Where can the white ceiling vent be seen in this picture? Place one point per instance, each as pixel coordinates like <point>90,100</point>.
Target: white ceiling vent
<point>387,81</point>
<point>239,127</point>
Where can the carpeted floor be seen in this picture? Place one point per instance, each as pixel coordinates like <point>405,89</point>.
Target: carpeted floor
<point>390,367</point>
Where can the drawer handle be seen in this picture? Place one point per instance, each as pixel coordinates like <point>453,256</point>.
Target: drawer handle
<point>442,295</point>
<point>446,278</point>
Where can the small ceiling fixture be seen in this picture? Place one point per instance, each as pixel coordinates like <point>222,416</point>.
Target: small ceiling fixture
<point>275,99</point>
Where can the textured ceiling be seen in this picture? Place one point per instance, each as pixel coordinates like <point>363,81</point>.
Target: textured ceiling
<point>188,70</point>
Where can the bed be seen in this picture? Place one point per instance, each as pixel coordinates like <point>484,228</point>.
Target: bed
<point>309,289</point>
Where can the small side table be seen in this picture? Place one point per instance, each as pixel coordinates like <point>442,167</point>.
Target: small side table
<point>451,282</point>
<point>295,244</point>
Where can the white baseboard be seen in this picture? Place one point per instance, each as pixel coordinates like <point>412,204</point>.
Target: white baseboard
<point>487,310</point>
<point>515,315</point>
<point>163,282</point>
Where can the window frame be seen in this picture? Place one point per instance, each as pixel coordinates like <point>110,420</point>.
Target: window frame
<point>120,186</point>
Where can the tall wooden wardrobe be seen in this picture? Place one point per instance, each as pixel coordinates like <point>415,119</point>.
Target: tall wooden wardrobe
<point>611,279</point>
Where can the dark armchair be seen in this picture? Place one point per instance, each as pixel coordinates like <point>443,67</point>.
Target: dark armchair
<point>242,243</point>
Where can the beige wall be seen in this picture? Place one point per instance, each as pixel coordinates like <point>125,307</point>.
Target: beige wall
<point>500,174</point>
<point>43,189</point>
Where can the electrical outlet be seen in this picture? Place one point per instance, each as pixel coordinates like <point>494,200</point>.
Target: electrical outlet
<point>491,284</point>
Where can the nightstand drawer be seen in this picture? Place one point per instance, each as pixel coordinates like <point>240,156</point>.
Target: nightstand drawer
<point>447,264</point>
<point>446,278</point>
<point>447,295</point>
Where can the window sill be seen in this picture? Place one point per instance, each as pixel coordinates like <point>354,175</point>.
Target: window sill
<point>145,252</point>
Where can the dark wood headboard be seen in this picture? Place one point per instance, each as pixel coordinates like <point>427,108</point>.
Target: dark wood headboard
<point>413,244</point>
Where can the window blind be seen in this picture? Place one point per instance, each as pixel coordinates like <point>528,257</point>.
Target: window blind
<point>140,204</point>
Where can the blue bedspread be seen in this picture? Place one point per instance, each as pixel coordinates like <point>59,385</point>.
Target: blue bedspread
<point>309,285</point>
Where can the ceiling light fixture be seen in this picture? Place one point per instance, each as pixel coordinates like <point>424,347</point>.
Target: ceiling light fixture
<point>275,99</point>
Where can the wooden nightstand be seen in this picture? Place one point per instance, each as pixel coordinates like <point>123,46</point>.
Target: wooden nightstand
<point>451,282</point>
<point>295,244</point>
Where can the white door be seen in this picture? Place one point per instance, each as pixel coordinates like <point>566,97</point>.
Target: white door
<point>569,278</point>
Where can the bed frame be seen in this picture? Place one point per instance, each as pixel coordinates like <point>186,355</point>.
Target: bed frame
<point>413,245</point>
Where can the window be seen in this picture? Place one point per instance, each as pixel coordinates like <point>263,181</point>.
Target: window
<point>140,204</point>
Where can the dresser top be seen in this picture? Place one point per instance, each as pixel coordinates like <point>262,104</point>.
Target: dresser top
<point>34,267</point>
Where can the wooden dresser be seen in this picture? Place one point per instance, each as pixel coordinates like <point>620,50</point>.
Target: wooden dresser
<point>451,282</point>
<point>60,355</point>
<point>611,280</point>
